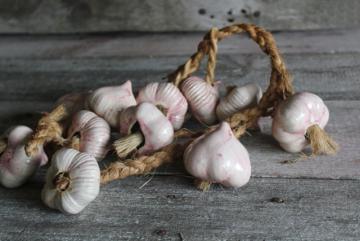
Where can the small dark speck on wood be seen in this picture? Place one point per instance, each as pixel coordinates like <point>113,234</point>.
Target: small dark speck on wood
<point>202,11</point>
<point>171,196</point>
<point>290,161</point>
<point>160,232</point>
<point>257,14</point>
<point>277,200</point>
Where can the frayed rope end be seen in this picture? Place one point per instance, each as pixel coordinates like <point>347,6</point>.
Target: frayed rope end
<point>202,185</point>
<point>320,141</point>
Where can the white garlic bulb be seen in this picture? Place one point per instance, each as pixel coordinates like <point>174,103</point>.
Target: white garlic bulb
<point>107,102</point>
<point>72,181</point>
<point>168,98</point>
<point>218,157</point>
<point>202,98</point>
<point>238,99</point>
<point>94,133</point>
<point>294,116</point>
<point>154,126</point>
<point>15,166</point>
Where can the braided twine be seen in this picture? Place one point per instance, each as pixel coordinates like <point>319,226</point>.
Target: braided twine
<point>280,88</point>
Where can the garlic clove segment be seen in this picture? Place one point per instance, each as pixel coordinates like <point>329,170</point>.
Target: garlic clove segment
<point>15,166</point>
<point>168,98</point>
<point>72,181</point>
<point>238,99</point>
<point>202,98</point>
<point>218,157</point>
<point>294,116</point>
<point>154,126</point>
<point>73,102</point>
<point>94,133</point>
<point>107,102</point>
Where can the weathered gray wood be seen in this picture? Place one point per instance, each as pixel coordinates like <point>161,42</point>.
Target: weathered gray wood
<point>169,208</point>
<point>321,194</point>
<point>35,16</point>
<point>266,156</point>
<point>169,44</point>
<point>333,76</point>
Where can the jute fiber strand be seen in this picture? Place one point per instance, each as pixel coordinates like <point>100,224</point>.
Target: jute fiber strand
<point>3,145</point>
<point>144,164</point>
<point>280,88</point>
<point>141,165</point>
<point>48,129</point>
<point>320,141</point>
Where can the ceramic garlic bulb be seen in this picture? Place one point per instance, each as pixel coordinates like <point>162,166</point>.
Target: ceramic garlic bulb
<point>72,181</point>
<point>73,102</point>
<point>107,102</point>
<point>218,157</point>
<point>154,126</point>
<point>93,131</point>
<point>238,99</point>
<point>202,98</point>
<point>15,166</point>
<point>168,98</point>
<point>294,116</point>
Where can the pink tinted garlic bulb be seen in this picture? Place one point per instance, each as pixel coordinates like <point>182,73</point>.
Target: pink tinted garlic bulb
<point>94,133</point>
<point>107,102</point>
<point>202,98</point>
<point>73,102</point>
<point>218,157</point>
<point>168,98</point>
<point>15,166</point>
<point>295,116</point>
<point>72,181</point>
<point>238,99</point>
<point>155,130</point>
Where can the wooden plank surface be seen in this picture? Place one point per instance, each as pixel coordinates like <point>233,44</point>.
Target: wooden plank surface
<point>169,208</point>
<point>267,158</point>
<point>325,62</point>
<point>321,195</point>
<point>64,16</point>
<point>168,44</point>
<point>333,76</point>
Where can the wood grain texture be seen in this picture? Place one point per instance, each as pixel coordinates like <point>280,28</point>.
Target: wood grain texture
<point>333,76</point>
<point>168,44</point>
<point>267,158</point>
<point>321,196</point>
<point>169,208</point>
<point>64,16</point>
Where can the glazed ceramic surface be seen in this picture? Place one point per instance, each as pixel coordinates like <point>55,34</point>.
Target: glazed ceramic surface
<point>294,116</point>
<point>84,181</point>
<point>155,127</point>
<point>219,157</point>
<point>238,99</point>
<point>169,98</point>
<point>15,166</point>
<point>202,98</point>
<point>108,101</point>
<point>94,133</point>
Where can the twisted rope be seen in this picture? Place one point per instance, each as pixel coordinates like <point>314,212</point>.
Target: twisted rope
<point>144,164</point>
<point>280,87</point>
<point>48,129</point>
